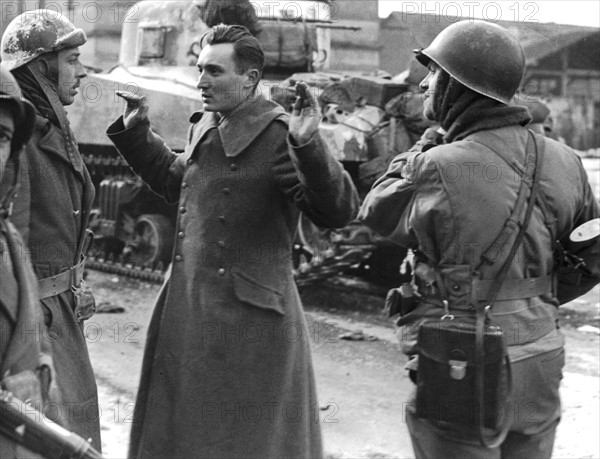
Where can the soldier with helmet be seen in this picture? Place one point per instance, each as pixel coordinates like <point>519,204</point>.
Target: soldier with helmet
<point>24,370</point>
<point>539,111</point>
<point>41,49</point>
<point>449,201</point>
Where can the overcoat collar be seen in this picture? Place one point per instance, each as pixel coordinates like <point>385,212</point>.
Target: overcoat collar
<point>73,157</point>
<point>238,130</point>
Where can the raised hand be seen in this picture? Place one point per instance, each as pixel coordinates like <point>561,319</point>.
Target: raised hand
<point>305,118</point>
<point>136,110</point>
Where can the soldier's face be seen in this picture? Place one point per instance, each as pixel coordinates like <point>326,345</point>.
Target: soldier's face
<point>223,86</point>
<point>428,88</point>
<point>70,73</point>
<point>7,130</point>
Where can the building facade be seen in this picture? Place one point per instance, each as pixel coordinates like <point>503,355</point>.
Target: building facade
<point>563,66</point>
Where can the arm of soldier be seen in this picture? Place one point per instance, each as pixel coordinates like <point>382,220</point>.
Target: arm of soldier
<point>21,200</point>
<point>7,326</point>
<point>575,283</point>
<point>145,151</point>
<point>391,196</point>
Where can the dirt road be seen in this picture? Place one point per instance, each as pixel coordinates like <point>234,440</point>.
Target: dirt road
<point>361,384</point>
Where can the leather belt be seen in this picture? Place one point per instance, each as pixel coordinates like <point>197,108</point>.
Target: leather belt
<point>55,285</point>
<point>512,289</point>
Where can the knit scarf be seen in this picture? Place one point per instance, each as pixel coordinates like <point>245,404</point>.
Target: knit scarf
<point>34,93</point>
<point>462,111</point>
<point>41,92</point>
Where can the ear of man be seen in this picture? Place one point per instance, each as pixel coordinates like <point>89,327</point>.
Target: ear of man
<point>47,65</point>
<point>252,78</point>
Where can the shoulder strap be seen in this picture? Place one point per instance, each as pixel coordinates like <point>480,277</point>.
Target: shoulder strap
<point>488,256</point>
<point>531,203</point>
<point>482,316</point>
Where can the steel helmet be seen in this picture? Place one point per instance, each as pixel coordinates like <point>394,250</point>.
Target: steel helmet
<point>24,119</point>
<point>37,32</point>
<point>484,57</point>
<point>23,111</point>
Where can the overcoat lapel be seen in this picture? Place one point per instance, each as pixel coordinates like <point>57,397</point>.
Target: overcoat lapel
<point>239,130</point>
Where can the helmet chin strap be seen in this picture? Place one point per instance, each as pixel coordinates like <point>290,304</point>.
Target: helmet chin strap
<point>50,90</point>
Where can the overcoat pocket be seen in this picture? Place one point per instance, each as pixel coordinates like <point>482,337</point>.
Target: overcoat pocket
<point>249,290</point>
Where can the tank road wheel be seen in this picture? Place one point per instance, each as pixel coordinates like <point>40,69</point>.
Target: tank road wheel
<point>153,240</point>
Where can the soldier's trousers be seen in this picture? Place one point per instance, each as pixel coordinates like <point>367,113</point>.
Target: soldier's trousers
<point>534,415</point>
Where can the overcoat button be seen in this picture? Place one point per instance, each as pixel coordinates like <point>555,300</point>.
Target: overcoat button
<point>456,287</point>
<point>178,258</point>
<point>180,235</point>
<point>182,210</point>
<point>233,167</point>
<point>221,244</point>
<point>226,190</point>
<point>189,161</point>
<point>222,218</point>
<point>184,185</point>
<point>76,212</point>
<point>221,272</point>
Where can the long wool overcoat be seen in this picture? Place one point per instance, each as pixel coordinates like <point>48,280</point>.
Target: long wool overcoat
<point>227,369</point>
<point>52,211</point>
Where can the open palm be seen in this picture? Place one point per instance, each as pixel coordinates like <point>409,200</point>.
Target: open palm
<point>305,118</point>
<point>136,110</point>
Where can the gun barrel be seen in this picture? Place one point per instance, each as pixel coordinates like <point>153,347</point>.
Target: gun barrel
<point>27,426</point>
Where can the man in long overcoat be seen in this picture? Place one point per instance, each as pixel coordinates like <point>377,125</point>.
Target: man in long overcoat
<point>227,369</point>
<point>41,49</point>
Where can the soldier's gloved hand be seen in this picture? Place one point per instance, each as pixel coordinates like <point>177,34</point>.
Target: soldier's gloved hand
<point>430,138</point>
<point>305,118</point>
<point>136,110</point>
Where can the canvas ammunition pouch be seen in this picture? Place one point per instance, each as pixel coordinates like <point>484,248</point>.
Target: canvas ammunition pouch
<point>464,370</point>
<point>400,300</point>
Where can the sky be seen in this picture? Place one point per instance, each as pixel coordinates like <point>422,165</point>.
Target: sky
<point>579,12</point>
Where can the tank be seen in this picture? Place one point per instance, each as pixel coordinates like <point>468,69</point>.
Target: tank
<point>159,49</point>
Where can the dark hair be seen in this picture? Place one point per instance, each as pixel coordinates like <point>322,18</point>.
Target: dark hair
<point>247,49</point>
<point>235,12</point>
